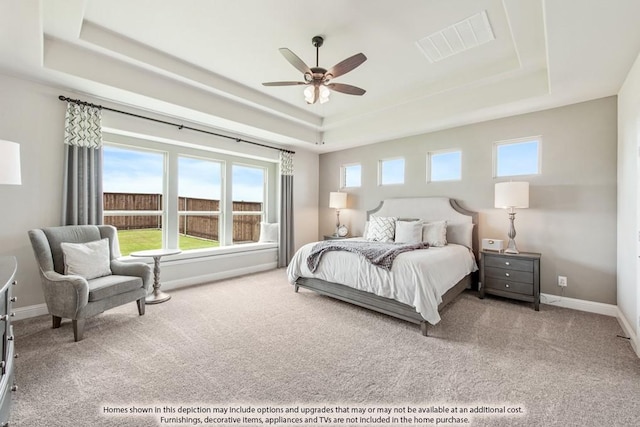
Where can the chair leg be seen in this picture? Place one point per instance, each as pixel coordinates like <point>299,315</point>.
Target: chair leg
<point>141,306</point>
<point>56,321</point>
<point>78,329</point>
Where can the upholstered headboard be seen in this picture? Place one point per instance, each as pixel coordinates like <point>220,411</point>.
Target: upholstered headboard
<point>434,209</point>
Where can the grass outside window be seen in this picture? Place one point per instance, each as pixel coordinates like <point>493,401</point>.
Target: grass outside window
<point>149,238</point>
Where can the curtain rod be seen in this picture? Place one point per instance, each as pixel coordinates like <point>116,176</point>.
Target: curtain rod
<point>179,126</point>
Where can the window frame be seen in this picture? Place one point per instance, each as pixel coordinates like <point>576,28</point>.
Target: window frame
<point>343,175</point>
<point>404,171</point>
<point>170,238</point>
<point>528,139</point>
<point>262,212</point>
<point>163,213</point>
<point>430,156</point>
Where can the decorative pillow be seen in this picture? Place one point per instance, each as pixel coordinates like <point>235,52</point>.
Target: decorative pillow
<point>88,260</point>
<point>435,233</point>
<point>408,232</point>
<point>381,229</point>
<point>268,232</point>
<point>460,233</point>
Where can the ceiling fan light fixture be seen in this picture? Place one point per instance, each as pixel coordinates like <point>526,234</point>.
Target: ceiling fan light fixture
<point>324,94</point>
<point>308,94</point>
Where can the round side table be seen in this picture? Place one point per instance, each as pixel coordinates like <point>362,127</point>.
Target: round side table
<point>157,296</point>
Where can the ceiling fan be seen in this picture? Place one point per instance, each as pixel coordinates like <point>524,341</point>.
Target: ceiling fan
<point>317,79</point>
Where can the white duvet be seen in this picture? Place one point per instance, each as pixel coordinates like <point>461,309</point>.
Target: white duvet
<point>418,278</point>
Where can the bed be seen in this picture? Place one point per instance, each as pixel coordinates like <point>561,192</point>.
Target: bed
<point>420,282</point>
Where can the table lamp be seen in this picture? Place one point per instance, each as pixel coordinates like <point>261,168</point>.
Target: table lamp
<point>512,195</point>
<point>337,201</point>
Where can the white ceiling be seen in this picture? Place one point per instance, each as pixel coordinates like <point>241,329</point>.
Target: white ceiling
<point>205,60</point>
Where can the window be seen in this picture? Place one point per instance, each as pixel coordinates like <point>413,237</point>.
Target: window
<point>517,157</point>
<point>199,190</point>
<point>444,166</point>
<point>248,188</point>
<point>391,171</point>
<point>133,196</point>
<point>351,176</point>
<point>162,195</point>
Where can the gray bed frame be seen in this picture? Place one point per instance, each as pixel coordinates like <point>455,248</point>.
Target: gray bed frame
<point>420,209</point>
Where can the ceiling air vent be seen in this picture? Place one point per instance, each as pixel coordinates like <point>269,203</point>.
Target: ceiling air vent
<point>456,38</point>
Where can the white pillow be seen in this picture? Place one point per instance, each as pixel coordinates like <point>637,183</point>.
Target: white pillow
<point>268,232</point>
<point>88,260</point>
<point>435,233</point>
<point>460,233</point>
<point>408,231</point>
<point>381,229</point>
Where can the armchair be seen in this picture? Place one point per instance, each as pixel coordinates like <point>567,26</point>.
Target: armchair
<point>74,297</point>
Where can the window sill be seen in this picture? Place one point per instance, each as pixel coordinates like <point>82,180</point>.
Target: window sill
<point>209,252</point>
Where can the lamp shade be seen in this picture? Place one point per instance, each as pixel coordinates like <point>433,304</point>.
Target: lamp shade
<point>512,195</point>
<point>337,200</point>
<point>10,163</point>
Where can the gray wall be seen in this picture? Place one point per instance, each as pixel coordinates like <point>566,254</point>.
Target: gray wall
<point>572,215</point>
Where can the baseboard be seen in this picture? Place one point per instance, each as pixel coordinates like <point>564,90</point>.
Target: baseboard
<point>579,304</point>
<point>41,309</point>
<point>30,311</point>
<point>628,331</point>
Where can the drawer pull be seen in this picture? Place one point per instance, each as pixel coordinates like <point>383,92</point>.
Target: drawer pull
<point>506,274</point>
<point>507,263</point>
<point>506,285</point>
<point>13,299</point>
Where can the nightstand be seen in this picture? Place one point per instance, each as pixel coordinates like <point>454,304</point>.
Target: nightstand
<point>515,276</point>
<point>332,237</point>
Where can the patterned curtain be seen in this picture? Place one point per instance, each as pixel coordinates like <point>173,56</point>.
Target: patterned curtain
<point>82,192</point>
<point>285,251</point>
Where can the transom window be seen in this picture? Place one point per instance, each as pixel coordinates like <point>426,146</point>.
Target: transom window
<point>444,166</point>
<point>517,157</point>
<point>391,171</point>
<point>351,175</point>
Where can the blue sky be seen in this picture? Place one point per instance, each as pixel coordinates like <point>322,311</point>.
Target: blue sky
<point>517,158</point>
<point>392,171</point>
<point>446,166</point>
<point>130,171</point>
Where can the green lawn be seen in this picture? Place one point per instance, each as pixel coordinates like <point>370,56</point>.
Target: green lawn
<point>139,240</point>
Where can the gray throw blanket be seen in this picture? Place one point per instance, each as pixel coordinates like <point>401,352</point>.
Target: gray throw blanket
<point>377,253</point>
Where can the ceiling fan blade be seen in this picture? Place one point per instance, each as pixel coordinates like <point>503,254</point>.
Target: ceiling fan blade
<point>316,94</point>
<point>283,83</point>
<point>294,60</point>
<point>348,89</point>
<point>346,65</point>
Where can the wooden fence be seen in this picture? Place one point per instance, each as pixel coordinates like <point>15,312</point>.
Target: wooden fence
<point>246,228</point>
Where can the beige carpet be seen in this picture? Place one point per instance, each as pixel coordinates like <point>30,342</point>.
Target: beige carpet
<point>252,341</point>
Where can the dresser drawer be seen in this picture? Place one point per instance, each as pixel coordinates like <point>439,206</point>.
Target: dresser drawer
<point>509,286</point>
<point>510,263</point>
<point>514,275</point>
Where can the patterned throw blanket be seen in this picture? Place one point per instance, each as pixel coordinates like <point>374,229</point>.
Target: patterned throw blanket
<point>377,253</point>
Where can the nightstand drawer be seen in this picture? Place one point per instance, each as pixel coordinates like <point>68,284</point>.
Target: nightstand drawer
<point>509,286</point>
<point>513,275</point>
<point>510,263</point>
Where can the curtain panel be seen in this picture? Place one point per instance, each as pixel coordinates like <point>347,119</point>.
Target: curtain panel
<point>82,187</point>
<point>286,247</point>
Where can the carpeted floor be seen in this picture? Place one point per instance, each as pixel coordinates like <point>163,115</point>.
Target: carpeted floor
<point>251,343</point>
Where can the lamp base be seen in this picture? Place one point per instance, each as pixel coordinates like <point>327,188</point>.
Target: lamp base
<point>511,247</point>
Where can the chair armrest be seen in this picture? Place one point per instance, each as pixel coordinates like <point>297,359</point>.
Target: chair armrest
<point>65,295</point>
<point>137,269</point>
